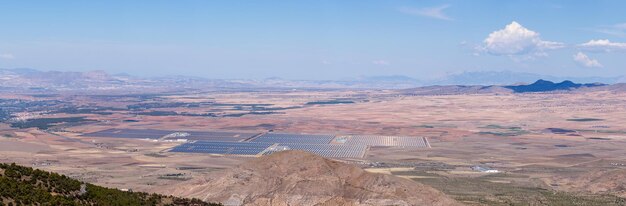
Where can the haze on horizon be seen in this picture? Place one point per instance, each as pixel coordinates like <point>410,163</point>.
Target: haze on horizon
<point>315,40</point>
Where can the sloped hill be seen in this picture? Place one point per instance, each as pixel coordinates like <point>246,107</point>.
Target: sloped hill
<point>26,186</point>
<point>301,178</point>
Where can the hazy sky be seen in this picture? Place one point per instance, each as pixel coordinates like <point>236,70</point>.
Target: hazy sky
<point>315,39</point>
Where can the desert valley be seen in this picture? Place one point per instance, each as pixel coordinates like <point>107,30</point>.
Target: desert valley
<point>479,145</point>
<point>313,103</point>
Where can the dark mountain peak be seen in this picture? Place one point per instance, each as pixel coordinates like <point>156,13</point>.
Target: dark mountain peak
<point>546,86</point>
<point>541,81</point>
<point>569,83</point>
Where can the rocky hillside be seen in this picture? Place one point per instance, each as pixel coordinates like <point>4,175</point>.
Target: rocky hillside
<point>301,178</point>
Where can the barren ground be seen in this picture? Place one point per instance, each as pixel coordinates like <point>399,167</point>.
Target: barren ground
<point>553,142</point>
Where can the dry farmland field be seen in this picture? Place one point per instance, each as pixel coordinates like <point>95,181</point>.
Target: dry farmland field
<point>541,148</point>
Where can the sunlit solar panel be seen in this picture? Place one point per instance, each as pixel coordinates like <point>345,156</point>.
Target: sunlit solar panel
<point>324,150</point>
<point>209,147</point>
<point>294,138</point>
<point>386,141</point>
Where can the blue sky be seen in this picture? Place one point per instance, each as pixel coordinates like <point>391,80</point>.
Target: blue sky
<point>324,39</point>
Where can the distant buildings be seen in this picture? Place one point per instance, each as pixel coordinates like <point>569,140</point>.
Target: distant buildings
<point>484,169</point>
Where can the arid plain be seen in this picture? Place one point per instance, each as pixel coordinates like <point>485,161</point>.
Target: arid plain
<point>542,145</point>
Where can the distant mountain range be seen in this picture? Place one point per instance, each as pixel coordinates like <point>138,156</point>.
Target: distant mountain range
<point>100,80</point>
<point>508,78</point>
<point>546,86</point>
<point>538,86</point>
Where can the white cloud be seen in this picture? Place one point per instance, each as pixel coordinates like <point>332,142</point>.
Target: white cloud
<point>621,26</point>
<point>431,12</point>
<point>618,30</point>
<point>585,61</point>
<point>380,62</point>
<point>603,45</point>
<point>514,39</point>
<point>6,56</point>
<point>326,62</point>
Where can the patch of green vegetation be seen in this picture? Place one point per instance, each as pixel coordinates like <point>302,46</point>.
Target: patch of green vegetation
<point>155,155</point>
<point>503,131</point>
<point>158,113</point>
<point>603,131</point>
<point>563,198</point>
<point>240,105</point>
<point>27,186</point>
<point>425,126</point>
<point>44,95</point>
<point>274,108</point>
<point>484,191</point>
<point>95,110</point>
<point>172,113</point>
<point>7,135</point>
<point>177,176</point>
<point>155,105</point>
<point>599,138</point>
<point>584,119</point>
<point>45,123</point>
<point>250,113</point>
<point>174,178</point>
<point>330,102</point>
<point>495,126</point>
<point>417,173</point>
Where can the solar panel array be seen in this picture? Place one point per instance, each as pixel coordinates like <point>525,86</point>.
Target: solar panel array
<point>237,143</point>
<point>387,141</point>
<point>324,150</point>
<point>211,147</point>
<point>294,138</point>
<point>217,136</point>
<point>189,135</point>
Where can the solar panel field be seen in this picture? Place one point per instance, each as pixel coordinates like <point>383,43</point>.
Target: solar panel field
<point>294,138</point>
<point>387,141</point>
<point>325,150</point>
<point>251,143</point>
<point>210,147</point>
<point>217,136</point>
